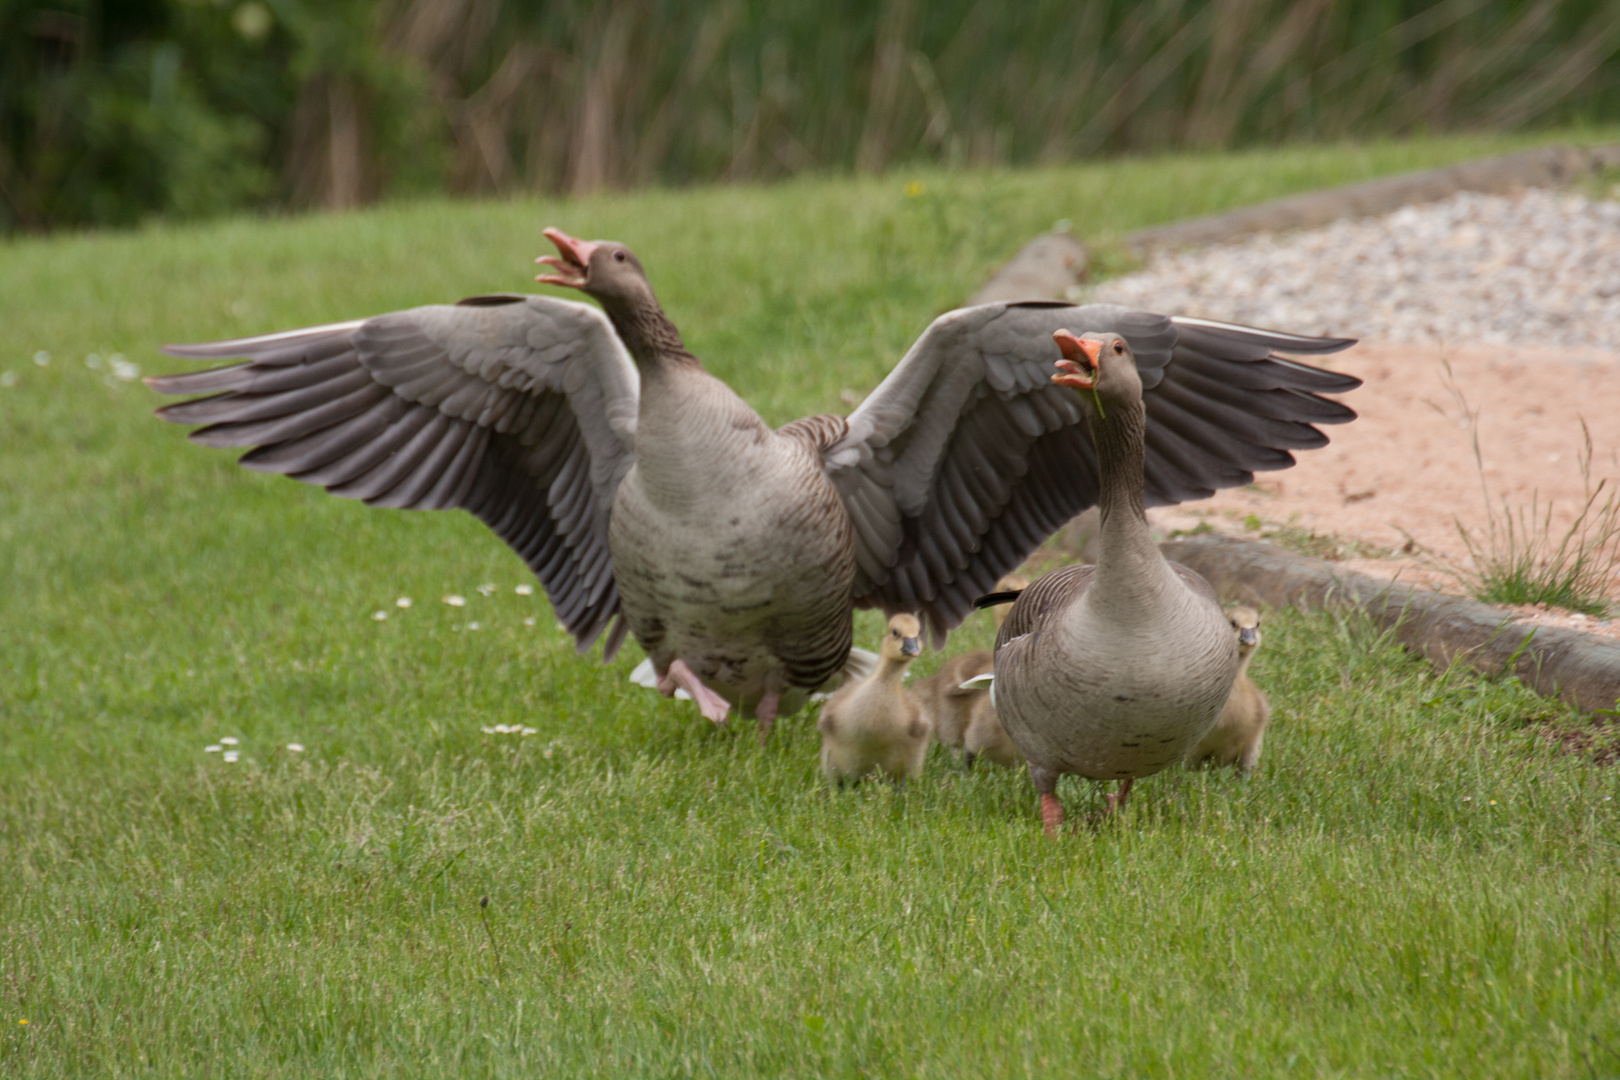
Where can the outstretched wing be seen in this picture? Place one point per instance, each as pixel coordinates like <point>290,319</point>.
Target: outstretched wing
<point>520,409</point>
<point>967,457</point>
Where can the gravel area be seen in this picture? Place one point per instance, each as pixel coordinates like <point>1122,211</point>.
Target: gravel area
<point>1541,268</point>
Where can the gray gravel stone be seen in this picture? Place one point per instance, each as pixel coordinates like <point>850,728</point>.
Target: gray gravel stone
<point>1485,269</point>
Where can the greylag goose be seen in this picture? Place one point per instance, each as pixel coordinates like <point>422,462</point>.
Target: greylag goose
<point>1112,670</point>
<point>1241,729</point>
<point>950,705</point>
<point>876,724</point>
<point>648,497</point>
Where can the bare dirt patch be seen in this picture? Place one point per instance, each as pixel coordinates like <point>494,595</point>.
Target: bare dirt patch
<point>1386,495</point>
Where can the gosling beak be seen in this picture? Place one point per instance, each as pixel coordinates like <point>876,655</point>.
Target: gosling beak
<point>572,261</point>
<point>1078,368</point>
<point>1249,635</point>
<point>911,647</point>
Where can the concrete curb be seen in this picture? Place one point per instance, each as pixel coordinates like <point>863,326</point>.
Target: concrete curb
<point>1579,668</point>
<point>1045,267</point>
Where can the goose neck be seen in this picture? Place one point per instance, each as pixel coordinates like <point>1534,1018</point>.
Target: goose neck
<point>652,339</point>
<point>1124,543</point>
<point>891,672</point>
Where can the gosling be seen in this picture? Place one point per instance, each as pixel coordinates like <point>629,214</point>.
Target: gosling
<point>1241,729</point>
<point>956,712</point>
<point>984,736</point>
<point>876,724</point>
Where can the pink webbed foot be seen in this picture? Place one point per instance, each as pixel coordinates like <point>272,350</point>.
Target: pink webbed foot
<point>1051,814</point>
<point>710,704</point>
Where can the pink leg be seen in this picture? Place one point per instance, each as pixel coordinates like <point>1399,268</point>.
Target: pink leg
<point>712,705</point>
<point>765,713</point>
<point>1116,800</point>
<point>1051,814</point>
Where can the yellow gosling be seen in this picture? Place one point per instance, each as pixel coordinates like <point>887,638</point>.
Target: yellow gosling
<point>877,725</point>
<point>1237,736</point>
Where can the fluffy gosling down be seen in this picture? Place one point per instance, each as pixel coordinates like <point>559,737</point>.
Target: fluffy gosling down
<point>876,724</point>
<point>1241,729</point>
<point>963,718</point>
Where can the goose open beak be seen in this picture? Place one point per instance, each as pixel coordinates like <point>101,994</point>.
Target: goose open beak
<point>572,261</point>
<point>1078,368</point>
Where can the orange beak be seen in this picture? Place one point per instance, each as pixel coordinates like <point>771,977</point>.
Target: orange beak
<point>572,261</point>
<point>1076,352</point>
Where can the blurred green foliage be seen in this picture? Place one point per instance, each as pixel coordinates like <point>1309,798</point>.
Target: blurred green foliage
<point>111,112</point>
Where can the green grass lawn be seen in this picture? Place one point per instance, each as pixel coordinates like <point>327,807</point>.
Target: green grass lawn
<point>1412,885</point>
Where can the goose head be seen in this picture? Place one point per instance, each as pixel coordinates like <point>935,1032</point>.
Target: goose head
<point>605,269</point>
<point>1246,624</point>
<point>1100,363</point>
<point>902,642</point>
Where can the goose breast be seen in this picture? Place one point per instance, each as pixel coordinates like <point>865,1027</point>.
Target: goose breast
<point>740,564</point>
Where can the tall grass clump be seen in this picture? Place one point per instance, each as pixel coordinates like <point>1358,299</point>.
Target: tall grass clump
<point>1518,557</point>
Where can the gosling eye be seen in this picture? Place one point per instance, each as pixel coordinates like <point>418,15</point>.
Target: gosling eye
<point>618,256</point>
<point>894,633</point>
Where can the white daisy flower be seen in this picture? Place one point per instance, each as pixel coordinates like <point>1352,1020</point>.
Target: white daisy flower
<point>42,359</point>
<point>379,616</point>
<point>229,740</point>
<point>486,589</point>
<point>123,369</point>
<point>529,731</point>
<point>487,730</point>
<point>524,590</point>
<point>403,602</point>
<point>93,361</point>
<point>529,621</point>
<point>455,600</point>
<point>296,747</point>
<point>214,749</point>
<point>233,756</point>
<point>474,626</point>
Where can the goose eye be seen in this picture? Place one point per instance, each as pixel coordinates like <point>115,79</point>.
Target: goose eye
<point>1119,348</point>
<point>618,256</point>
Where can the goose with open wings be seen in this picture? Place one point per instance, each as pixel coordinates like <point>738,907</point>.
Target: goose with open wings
<point>650,499</point>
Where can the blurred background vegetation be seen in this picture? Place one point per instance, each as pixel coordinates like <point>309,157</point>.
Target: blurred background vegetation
<point>111,112</point>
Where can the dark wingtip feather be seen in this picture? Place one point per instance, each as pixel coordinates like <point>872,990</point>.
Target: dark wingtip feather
<point>1275,339</point>
<point>997,598</point>
<point>1322,381</point>
<point>255,346</point>
<point>199,382</point>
